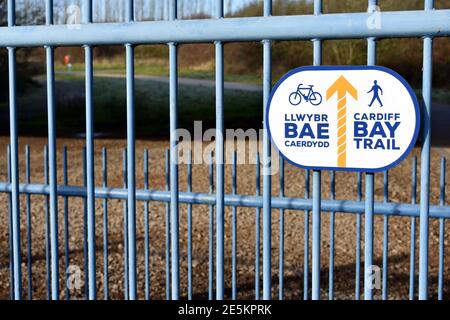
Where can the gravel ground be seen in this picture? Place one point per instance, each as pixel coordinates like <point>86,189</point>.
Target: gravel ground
<point>399,228</point>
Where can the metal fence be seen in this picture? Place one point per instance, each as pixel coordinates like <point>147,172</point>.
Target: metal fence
<point>428,23</point>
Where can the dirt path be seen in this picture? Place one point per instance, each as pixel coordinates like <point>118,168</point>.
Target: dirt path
<point>183,81</point>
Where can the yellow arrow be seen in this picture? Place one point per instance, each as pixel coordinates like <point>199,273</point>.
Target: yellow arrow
<point>341,86</point>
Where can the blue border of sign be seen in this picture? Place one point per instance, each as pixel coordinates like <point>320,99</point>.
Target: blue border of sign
<point>379,68</point>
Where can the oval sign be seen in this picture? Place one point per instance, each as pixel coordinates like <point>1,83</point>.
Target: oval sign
<point>350,118</point>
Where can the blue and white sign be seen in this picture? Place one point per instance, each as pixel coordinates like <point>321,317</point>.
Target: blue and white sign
<point>352,118</point>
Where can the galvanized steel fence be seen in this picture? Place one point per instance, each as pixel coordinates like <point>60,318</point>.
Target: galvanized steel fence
<point>428,23</point>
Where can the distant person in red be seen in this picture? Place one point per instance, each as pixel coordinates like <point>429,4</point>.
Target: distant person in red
<point>67,62</point>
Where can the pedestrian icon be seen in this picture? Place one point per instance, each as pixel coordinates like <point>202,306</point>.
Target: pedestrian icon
<point>376,89</point>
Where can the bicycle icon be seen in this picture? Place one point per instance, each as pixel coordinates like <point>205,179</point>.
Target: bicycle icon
<point>307,92</point>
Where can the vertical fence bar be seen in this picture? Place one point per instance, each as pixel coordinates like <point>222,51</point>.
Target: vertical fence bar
<point>316,226</point>
<point>174,205</point>
<point>358,241</point>
<point>189,226</point>
<point>267,182</point>
<point>211,232</point>
<point>257,229</point>
<point>125,225</point>
<point>131,154</point>
<point>51,112</point>
<point>234,232</point>
<point>14,145</point>
<point>167,229</point>
<point>425,161</point>
<point>85,231</point>
<point>220,237</point>
<point>281,258</point>
<point>89,78</point>
<point>384,291</point>
<point>441,232</point>
<point>369,201</point>
<point>66,226</point>
<point>47,228</point>
<point>105,226</point>
<point>146,231</point>
<point>131,176</point>
<point>412,249</point>
<point>306,242</point>
<point>332,216</point>
<point>29,244</point>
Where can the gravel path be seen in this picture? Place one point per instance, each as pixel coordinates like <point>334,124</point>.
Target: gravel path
<point>399,228</point>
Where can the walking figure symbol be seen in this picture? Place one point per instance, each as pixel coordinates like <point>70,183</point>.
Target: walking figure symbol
<point>376,89</point>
